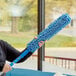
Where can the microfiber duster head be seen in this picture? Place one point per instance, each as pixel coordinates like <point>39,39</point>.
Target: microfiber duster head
<point>49,32</point>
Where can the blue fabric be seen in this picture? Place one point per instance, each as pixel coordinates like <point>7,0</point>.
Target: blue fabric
<point>25,72</point>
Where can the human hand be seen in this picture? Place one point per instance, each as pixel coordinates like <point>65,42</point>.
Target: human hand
<point>6,68</point>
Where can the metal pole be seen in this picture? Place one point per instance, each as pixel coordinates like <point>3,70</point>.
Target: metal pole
<point>41,26</point>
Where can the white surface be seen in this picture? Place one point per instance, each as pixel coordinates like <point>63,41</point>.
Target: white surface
<point>53,68</point>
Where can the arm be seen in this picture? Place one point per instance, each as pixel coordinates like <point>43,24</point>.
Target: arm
<point>12,53</point>
<point>3,66</point>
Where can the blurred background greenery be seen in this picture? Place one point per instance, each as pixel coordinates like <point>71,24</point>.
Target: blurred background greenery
<point>18,21</point>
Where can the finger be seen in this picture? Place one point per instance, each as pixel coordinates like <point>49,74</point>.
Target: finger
<point>10,68</point>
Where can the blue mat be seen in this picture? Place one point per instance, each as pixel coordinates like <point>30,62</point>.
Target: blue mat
<point>26,72</point>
